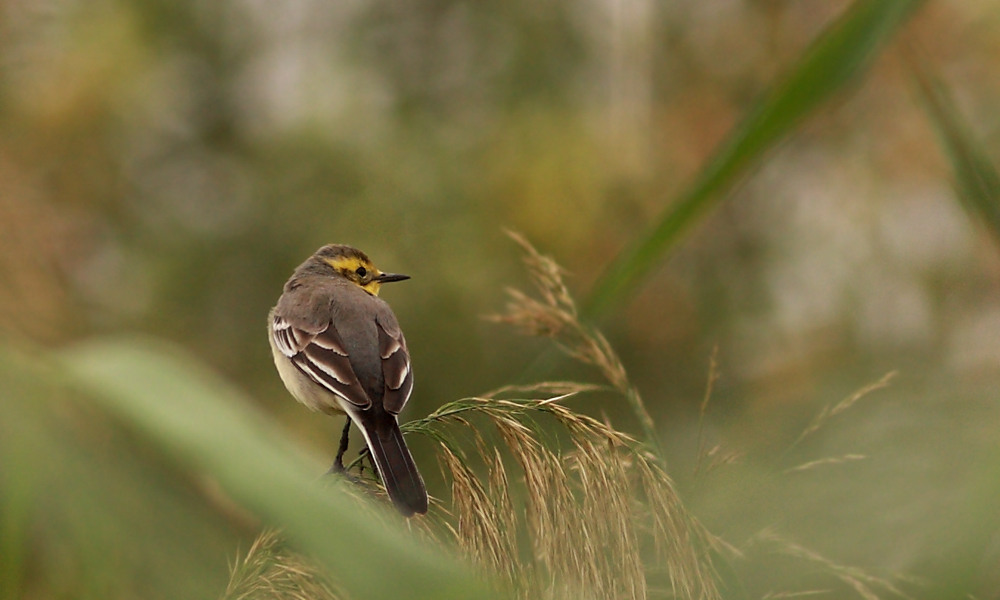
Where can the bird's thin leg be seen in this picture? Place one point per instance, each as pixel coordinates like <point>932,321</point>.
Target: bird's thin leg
<point>338,463</point>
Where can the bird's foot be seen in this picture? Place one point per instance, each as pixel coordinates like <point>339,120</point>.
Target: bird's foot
<point>337,467</point>
<point>338,463</point>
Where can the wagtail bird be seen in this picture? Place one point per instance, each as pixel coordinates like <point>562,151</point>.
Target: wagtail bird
<point>339,349</point>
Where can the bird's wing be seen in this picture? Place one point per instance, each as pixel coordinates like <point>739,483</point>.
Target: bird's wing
<point>321,356</point>
<point>395,365</point>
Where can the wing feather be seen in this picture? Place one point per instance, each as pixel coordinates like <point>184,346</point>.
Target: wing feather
<point>396,370</point>
<point>321,356</point>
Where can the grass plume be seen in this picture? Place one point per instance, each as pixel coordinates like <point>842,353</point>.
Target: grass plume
<point>863,583</point>
<point>593,496</point>
<point>270,571</point>
<point>829,412</point>
<point>587,505</point>
<point>822,462</point>
<point>555,316</point>
<point>485,515</point>
<point>713,376</point>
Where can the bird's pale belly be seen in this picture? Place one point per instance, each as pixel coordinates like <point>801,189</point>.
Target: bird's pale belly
<point>302,388</point>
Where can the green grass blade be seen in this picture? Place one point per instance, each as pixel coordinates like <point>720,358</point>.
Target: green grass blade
<point>82,510</point>
<point>976,178</point>
<point>841,53</point>
<point>205,426</point>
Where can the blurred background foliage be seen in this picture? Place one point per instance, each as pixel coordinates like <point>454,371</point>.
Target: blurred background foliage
<point>165,165</point>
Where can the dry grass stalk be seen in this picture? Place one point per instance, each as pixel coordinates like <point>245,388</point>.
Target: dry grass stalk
<point>556,317</point>
<point>822,462</point>
<point>681,542</point>
<point>607,511</point>
<point>270,571</point>
<point>581,513</point>
<point>506,518</point>
<point>483,518</point>
<point>776,596</point>
<point>717,458</point>
<point>858,579</point>
<point>551,513</point>
<point>829,412</point>
<point>713,376</point>
<point>545,389</point>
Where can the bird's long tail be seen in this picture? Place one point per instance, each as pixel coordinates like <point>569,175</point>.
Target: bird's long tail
<point>392,458</point>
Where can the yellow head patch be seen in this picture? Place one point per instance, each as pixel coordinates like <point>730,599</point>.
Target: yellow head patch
<point>359,271</point>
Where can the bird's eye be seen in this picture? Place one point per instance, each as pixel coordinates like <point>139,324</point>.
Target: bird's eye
<point>361,271</point>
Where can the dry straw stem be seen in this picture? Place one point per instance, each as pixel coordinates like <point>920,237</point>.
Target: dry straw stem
<point>803,593</point>
<point>545,388</point>
<point>718,458</point>
<point>828,413</point>
<point>555,316</point>
<point>713,376</point>
<point>832,460</point>
<point>858,579</point>
<point>270,571</point>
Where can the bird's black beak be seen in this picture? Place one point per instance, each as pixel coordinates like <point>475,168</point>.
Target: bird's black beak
<point>390,277</point>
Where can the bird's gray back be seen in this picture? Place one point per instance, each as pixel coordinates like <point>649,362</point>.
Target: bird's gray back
<point>333,300</point>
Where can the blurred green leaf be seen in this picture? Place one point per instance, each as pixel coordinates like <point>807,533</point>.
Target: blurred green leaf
<point>206,426</point>
<point>85,509</point>
<point>976,179</point>
<point>842,52</point>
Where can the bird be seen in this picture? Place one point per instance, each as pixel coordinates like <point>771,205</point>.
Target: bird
<point>338,348</point>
